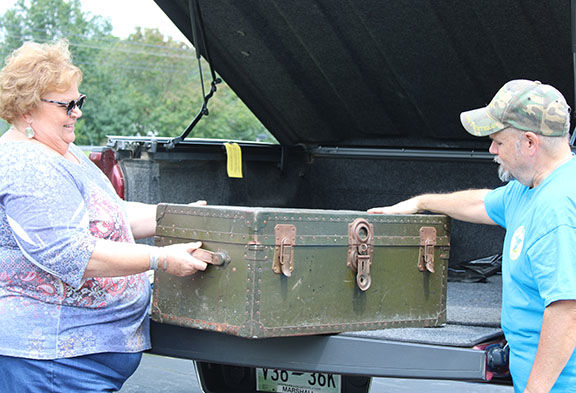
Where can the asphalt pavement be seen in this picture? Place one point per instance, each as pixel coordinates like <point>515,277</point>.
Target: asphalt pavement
<point>159,374</point>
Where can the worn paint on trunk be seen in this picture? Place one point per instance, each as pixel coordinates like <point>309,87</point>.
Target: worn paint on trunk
<point>246,297</point>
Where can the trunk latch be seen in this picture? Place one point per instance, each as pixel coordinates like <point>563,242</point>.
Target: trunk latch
<point>427,243</point>
<point>360,250</point>
<point>285,240</point>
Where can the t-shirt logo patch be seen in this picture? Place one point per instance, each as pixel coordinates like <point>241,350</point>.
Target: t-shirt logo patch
<point>516,243</point>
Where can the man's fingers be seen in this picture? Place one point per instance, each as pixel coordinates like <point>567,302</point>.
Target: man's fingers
<point>378,210</point>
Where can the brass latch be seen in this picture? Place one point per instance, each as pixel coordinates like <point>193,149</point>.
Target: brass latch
<point>427,243</point>
<point>285,240</point>
<point>360,251</point>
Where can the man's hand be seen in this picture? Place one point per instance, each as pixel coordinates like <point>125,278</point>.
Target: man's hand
<point>465,205</point>
<point>409,206</point>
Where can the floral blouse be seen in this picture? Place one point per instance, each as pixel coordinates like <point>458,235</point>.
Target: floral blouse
<point>52,211</point>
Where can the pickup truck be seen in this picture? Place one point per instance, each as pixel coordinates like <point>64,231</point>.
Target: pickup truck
<point>364,99</point>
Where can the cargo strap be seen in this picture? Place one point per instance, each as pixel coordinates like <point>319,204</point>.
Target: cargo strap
<point>199,38</point>
<point>426,254</point>
<point>360,251</point>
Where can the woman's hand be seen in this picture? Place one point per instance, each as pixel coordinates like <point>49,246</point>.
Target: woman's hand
<point>177,259</point>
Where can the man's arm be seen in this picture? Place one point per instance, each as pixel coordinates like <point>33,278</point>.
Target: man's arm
<point>462,205</point>
<point>556,345</point>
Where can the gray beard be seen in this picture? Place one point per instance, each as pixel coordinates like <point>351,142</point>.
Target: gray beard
<point>503,174</point>
<point>507,176</point>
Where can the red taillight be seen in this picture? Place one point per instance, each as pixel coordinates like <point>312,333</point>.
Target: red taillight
<point>497,355</point>
<point>107,163</point>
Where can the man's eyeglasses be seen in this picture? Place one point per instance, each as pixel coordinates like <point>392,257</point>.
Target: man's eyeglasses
<point>69,105</point>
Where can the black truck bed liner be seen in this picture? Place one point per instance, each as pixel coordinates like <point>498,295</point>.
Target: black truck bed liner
<point>473,317</point>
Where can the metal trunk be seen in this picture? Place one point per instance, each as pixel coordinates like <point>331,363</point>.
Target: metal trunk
<point>287,272</point>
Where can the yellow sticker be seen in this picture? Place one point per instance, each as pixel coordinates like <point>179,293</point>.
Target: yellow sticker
<point>234,165</point>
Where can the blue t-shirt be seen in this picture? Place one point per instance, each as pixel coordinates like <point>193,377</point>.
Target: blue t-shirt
<point>52,211</point>
<point>539,263</point>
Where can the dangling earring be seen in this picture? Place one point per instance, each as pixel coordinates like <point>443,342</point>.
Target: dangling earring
<point>29,132</point>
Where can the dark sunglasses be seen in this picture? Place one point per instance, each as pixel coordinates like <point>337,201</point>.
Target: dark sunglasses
<point>69,105</point>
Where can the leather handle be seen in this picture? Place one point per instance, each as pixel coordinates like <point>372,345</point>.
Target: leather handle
<point>218,258</point>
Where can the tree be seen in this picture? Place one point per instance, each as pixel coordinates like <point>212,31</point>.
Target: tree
<point>150,80</point>
<point>47,20</point>
<point>147,84</point>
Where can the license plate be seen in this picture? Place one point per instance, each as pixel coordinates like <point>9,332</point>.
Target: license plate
<point>274,380</point>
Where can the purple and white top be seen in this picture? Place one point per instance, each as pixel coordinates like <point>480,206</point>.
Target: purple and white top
<point>52,211</point>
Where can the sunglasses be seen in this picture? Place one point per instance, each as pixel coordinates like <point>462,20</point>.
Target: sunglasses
<point>69,105</point>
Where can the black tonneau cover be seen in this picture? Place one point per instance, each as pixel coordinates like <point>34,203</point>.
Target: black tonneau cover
<point>379,72</point>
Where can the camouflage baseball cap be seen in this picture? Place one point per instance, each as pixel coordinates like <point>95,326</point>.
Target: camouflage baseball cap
<point>522,104</point>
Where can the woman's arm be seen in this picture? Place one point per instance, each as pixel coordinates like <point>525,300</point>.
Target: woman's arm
<point>142,218</point>
<point>113,259</point>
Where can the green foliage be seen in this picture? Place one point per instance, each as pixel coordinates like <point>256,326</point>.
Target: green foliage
<point>147,84</point>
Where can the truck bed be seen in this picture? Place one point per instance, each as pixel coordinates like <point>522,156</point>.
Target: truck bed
<point>444,353</point>
<point>473,316</point>
<point>351,179</point>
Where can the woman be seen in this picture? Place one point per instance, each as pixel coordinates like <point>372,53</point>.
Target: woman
<point>74,294</point>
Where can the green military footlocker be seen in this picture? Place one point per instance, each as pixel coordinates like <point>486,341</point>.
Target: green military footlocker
<point>285,272</point>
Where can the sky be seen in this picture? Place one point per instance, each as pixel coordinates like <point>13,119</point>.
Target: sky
<point>125,15</point>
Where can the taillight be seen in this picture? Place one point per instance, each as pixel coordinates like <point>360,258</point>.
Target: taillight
<point>497,355</point>
<point>107,163</point>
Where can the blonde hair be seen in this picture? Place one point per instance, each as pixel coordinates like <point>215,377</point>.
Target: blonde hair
<point>32,71</point>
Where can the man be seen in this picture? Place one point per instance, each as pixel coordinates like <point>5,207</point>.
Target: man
<point>528,123</point>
